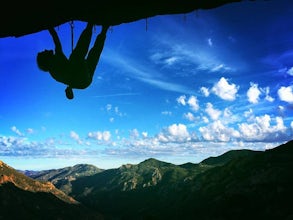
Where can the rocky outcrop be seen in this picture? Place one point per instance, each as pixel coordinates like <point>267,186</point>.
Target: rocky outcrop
<point>30,16</point>
<point>10,175</point>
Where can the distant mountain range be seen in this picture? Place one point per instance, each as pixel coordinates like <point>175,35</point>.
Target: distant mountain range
<point>241,184</point>
<point>62,178</point>
<point>22,197</point>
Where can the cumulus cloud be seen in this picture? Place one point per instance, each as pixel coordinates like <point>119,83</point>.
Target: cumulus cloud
<point>100,135</point>
<point>193,103</point>
<point>189,116</point>
<point>253,93</point>
<point>261,129</point>
<point>181,100</point>
<point>217,131</point>
<point>205,91</point>
<point>286,94</point>
<point>213,113</point>
<point>175,133</point>
<point>225,90</point>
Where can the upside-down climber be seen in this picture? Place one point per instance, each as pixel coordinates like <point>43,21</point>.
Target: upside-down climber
<point>77,71</point>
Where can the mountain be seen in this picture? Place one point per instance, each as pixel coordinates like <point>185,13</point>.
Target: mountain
<point>236,185</point>
<point>8,174</point>
<point>25,198</point>
<point>239,184</point>
<point>63,177</point>
<point>148,187</point>
<point>228,156</point>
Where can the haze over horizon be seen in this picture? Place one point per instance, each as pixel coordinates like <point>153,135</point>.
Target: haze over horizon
<point>186,88</point>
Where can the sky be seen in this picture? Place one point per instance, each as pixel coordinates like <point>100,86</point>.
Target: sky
<point>178,88</point>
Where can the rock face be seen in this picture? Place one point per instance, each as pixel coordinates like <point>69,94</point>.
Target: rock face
<point>24,198</point>
<point>10,175</point>
<point>30,16</point>
<point>62,178</point>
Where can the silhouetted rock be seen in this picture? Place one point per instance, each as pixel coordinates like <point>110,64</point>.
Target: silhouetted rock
<point>30,16</point>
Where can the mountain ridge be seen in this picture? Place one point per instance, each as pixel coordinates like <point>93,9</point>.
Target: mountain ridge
<point>9,174</point>
<point>26,198</point>
<point>239,184</point>
<point>63,177</point>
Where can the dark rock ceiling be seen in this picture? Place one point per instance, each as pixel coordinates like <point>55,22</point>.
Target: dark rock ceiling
<point>27,17</point>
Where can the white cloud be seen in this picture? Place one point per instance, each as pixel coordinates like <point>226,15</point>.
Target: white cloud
<point>225,90</point>
<point>205,119</point>
<point>268,97</point>
<point>205,91</point>
<point>181,100</point>
<point>220,67</point>
<point>179,130</point>
<point>213,113</point>
<point>210,42</point>
<point>134,134</point>
<point>108,107</point>
<point>175,133</point>
<point>189,116</point>
<point>290,71</point>
<point>286,94</point>
<point>166,113</point>
<point>100,135</point>
<point>75,137</point>
<point>171,60</point>
<point>253,93</point>
<point>16,131</point>
<point>22,147</point>
<point>144,134</point>
<point>227,113</point>
<point>193,103</point>
<point>262,130</point>
<point>248,114</point>
<point>216,131</point>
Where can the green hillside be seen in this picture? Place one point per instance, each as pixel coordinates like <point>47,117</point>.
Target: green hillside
<point>239,184</point>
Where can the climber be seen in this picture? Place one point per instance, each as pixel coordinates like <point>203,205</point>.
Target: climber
<point>77,71</point>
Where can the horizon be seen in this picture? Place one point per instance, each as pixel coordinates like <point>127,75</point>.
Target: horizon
<point>179,89</point>
<point>116,167</point>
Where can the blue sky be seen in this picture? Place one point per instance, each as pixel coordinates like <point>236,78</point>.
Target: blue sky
<point>181,89</point>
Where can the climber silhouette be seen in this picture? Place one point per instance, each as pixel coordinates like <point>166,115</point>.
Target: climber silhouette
<point>77,71</point>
